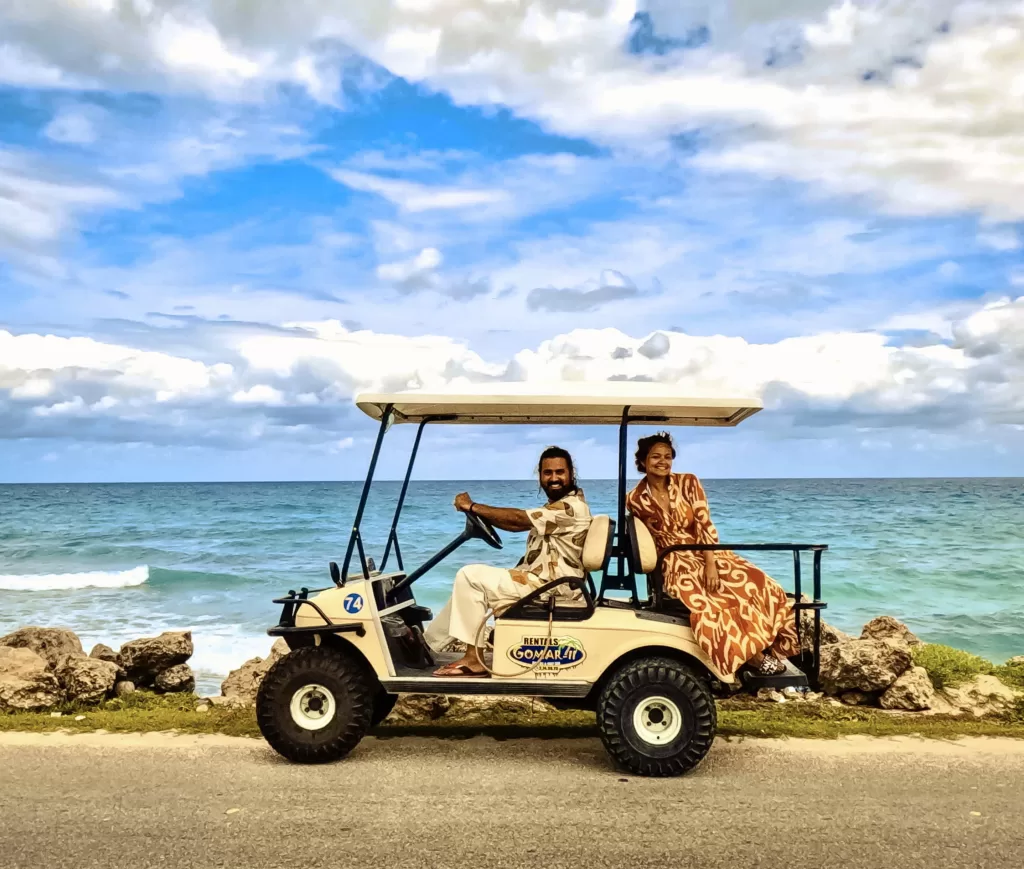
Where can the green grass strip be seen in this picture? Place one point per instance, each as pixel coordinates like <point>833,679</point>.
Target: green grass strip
<point>948,667</point>
<point>144,712</point>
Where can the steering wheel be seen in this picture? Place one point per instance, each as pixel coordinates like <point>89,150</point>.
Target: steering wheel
<point>477,526</point>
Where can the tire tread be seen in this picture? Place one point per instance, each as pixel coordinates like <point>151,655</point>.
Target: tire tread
<point>653,671</point>
<point>356,706</point>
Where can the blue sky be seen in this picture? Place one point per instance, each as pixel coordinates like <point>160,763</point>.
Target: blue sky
<point>217,224</point>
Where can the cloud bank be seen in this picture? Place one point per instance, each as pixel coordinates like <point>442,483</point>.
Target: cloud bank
<point>296,383</point>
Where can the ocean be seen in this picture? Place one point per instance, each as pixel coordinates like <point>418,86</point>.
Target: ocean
<point>114,562</point>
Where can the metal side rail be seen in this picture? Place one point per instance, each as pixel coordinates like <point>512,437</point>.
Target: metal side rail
<point>797,678</point>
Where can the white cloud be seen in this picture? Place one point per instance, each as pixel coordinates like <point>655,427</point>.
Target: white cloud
<point>412,272</point>
<point>71,127</point>
<point>296,383</point>
<point>938,132</point>
<point>915,102</point>
<point>258,386</point>
<point>1002,239</point>
<point>171,46</point>
<point>762,270</point>
<point>39,204</point>
<point>935,129</point>
<point>468,190</point>
<point>259,394</point>
<point>413,197</point>
<point>137,160</point>
<point>407,161</point>
<point>20,67</point>
<point>153,158</point>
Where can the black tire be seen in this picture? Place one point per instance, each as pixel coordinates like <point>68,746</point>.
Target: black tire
<point>686,717</point>
<point>346,700</point>
<point>382,706</point>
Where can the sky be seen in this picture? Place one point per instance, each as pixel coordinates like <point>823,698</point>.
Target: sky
<point>221,221</point>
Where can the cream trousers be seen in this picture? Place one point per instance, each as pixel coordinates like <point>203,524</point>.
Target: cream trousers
<point>478,587</point>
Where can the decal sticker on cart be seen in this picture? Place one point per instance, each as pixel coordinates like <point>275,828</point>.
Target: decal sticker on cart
<point>557,653</point>
<point>353,603</point>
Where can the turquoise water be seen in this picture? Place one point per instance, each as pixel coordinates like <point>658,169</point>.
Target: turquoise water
<point>119,561</point>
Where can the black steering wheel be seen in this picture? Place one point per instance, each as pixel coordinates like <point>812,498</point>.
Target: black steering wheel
<point>477,526</point>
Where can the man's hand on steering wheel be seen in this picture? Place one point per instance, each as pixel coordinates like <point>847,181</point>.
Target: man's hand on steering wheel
<point>485,529</point>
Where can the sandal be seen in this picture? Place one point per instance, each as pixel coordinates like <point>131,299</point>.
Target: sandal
<point>461,671</point>
<point>771,666</point>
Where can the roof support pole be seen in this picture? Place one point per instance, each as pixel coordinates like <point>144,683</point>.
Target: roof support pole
<point>354,537</point>
<point>621,527</point>
<point>393,535</point>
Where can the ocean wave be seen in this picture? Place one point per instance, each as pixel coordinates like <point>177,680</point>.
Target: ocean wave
<point>182,579</point>
<point>73,581</point>
<point>219,649</point>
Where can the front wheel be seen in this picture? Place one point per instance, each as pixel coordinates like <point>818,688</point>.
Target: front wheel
<point>315,704</point>
<point>657,717</point>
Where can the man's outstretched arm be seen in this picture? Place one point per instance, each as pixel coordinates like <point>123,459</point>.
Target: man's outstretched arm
<point>505,518</point>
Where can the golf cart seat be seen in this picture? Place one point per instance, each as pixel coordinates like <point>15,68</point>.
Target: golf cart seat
<point>597,550</point>
<point>645,559</point>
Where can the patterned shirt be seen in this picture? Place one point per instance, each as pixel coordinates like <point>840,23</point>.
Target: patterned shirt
<point>554,547</point>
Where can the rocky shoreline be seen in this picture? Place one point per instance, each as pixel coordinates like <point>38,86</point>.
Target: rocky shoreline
<point>42,668</point>
<point>886,668</point>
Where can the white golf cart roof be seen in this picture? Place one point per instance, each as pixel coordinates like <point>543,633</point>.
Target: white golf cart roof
<point>563,403</point>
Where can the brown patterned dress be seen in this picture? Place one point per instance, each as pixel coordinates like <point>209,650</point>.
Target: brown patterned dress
<point>749,613</point>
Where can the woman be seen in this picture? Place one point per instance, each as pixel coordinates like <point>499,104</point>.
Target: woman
<point>738,614</point>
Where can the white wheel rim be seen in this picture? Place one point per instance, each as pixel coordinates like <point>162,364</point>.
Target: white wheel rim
<point>313,707</point>
<point>657,720</point>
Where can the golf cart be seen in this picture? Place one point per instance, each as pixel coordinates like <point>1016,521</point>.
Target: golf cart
<point>633,659</point>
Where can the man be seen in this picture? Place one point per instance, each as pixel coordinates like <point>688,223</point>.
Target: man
<point>554,550</point>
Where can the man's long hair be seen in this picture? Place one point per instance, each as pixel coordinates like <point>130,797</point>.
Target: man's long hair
<point>559,453</point>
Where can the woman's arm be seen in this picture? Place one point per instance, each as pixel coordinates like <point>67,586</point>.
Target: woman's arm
<point>698,500</point>
<point>707,534</point>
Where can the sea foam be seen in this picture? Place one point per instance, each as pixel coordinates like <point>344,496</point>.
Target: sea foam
<point>74,581</point>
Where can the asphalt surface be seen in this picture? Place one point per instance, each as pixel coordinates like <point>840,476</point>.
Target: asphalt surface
<point>110,801</point>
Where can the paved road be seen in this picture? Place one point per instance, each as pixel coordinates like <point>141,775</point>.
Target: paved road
<point>159,801</point>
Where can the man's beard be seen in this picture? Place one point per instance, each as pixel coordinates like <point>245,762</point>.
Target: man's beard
<point>553,490</point>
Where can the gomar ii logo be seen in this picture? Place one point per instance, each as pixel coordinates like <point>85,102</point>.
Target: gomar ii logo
<point>555,653</point>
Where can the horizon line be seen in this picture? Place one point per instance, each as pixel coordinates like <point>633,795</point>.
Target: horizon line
<point>467,480</point>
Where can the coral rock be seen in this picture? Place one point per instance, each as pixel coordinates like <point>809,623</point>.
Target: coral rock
<point>26,682</point>
<point>178,678</point>
<point>913,691</point>
<point>888,628</point>
<point>87,679</point>
<point>51,644</point>
<point>146,658</point>
<point>862,665</point>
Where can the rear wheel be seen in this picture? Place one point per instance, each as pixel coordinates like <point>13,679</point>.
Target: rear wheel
<point>315,704</point>
<point>657,717</point>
